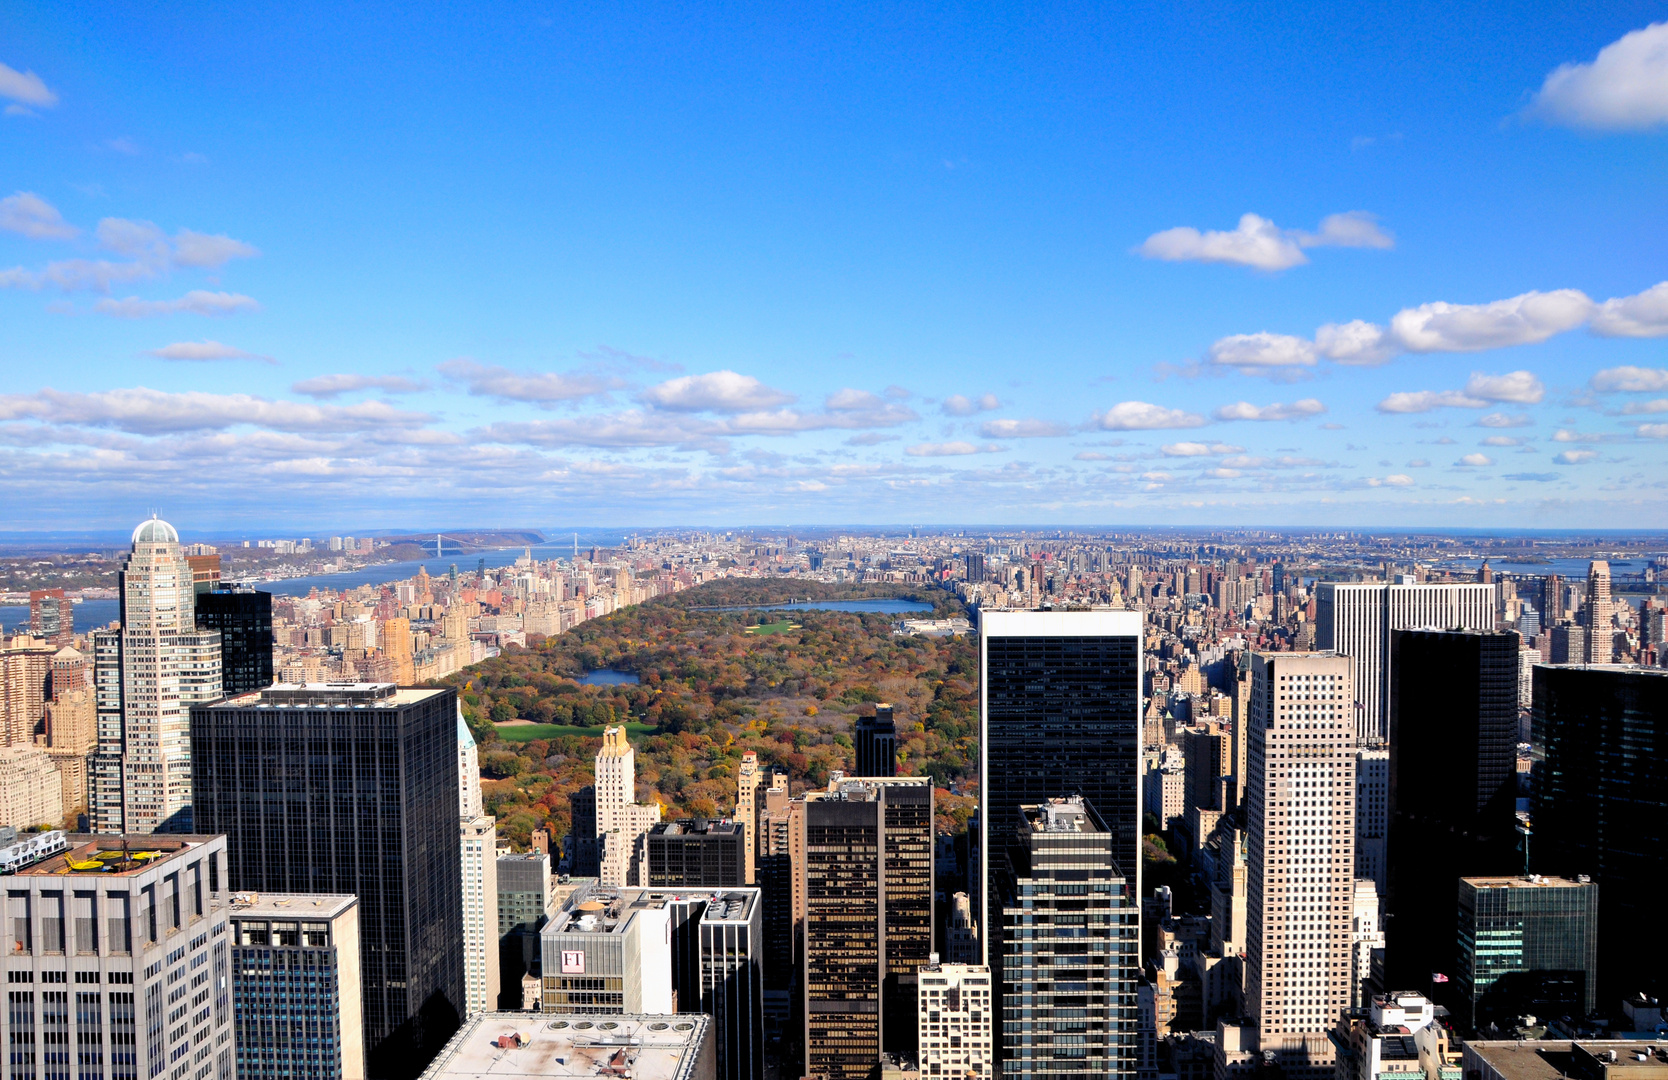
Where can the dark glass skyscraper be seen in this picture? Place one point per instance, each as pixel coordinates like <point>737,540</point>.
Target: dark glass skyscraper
<point>1601,807</point>
<point>1453,787</point>
<point>1060,716</point>
<point>351,789</point>
<point>875,743</point>
<point>244,620</point>
<point>1526,945</point>
<point>696,854</point>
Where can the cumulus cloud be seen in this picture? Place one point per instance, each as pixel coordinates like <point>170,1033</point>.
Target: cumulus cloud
<point>1357,342</point>
<point>789,421</point>
<point>1637,408</point>
<point>632,428</point>
<point>1481,391</point>
<point>1652,431</point>
<point>329,386</point>
<point>1638,380</point>
<point>1504,420</point>
<point>538,387</point>
<point>870,438</point>
<point>26,88</point>
<point>950,449</point>
<point>205,351</point>
<point>1022,429</point>
<point>1502,440</point>
<point>1520,320</point>
<point>1091,455</point>
<point>847,400</point>
<point>1642,315</point>
<point>1475,460</point>
<point>30,215</point>
<point>717,391</point>
<point>1625,88</point>
<point>1199,449</point>
<point>1142,416</point>
<point>143,411</point>
<point>1244,410</point>
<point>1262,350</point>
<point>1397,479</point>
<point>197,301</point>
<point>203,250</point>
<point>1574,457</point>
<point>961,405</point>
<point>1261,244</point>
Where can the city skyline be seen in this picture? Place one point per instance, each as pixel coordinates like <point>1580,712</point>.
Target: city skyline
<point>819,266</point>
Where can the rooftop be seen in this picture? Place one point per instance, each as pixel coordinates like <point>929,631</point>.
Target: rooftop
<point>1554,1059</point>
<point>130,854</point>
<point>697,827</point>
<point>248,905</point>
<point>1069,815</point>
<point>1532,881</point>
<point>607,909</point>
<point>334,695</point>
<point>516,1044</point>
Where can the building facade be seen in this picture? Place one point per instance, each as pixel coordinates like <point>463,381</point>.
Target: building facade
<point>1060,714</point>
<point>295,987</point>
<point>352,788</point>
<point>697,854</point>
<point>1527,945</point>
<point>243,619</point>
<point>957,1021</point>
<point>117,962</point>
<point>478,857</point>
<point>875,743</point>
<point>621,821</point>
<point>1070,949</point>
<point>1355,619</point>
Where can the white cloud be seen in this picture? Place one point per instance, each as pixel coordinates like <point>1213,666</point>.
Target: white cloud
<point>870,438</point>
<point>203,351</point>
<point>1262,350</point>
<point>1244,410</point>
<point>25,88</point>
<point>1637,408</point>
<point>1574,457</point>
<point>1638,380</point>
<point>202,250</point>
<point>140,240</point>
<point>1199,449</point>
<point>632,428</point>
<point>1261,244</point>
<point>1481,391</point>
<point>1564,435</point>
<point>1504,420</point>
<point>1419,463</point>
<point>1502,440</point>
<point>1091,455</point>
<point>1475,460</point>
<point>950,449</point>
<point>1141,416</point>
<point>153,412</point>
<point>717,391</point>
<point>538,387</point>
<point>1022,429</point>
<point>329,386</point>
<point>848,399</point>
<point>1400,479</point>
<point>200,301</point>
<point>1652,431</point>
<point>1641,315</point>
<point>30,215</point>
<point>1520,320</point>
<point>1357,342</point>
<point>961,405</point>
<point>788,421</point>
<point>1624,89</point>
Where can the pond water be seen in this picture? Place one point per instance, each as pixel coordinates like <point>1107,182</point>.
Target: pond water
<point>880,605</point>
<point>609,677</point>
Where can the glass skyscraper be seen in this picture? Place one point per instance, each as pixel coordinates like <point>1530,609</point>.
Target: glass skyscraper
<point>1527,945</point>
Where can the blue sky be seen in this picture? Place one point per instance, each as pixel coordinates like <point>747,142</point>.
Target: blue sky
<point>315,268</point>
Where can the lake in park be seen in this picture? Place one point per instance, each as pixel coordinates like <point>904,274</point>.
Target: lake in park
<point>609,677</point>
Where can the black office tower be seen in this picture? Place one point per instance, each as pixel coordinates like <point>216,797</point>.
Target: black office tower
<point>1060,716</point>
<point>1452,791</point>
<point>244,620</point>
<point>1601,808</point>
<point>876,743</point>
<point>698,854</point>
<point>351,788</point>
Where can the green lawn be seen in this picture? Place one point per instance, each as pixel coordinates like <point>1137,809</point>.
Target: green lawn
<point>782,627</point>
<point>529,732</point>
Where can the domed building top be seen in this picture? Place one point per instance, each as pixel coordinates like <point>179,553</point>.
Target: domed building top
<point>154,530</point>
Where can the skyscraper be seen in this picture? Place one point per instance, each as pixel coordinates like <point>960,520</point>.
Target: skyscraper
<point>295,987</point>
<point>1599,646</point>
<point>167,665</point>
<point>621,821</point>
<point>1453,787</point>
<point>51,616</point>
<point>956,1019</point>
<point>243,619</point>
<point>749,781</point>
<point>1060,715</point>
<point>1601,806</point>
<point>1355,619</point>
<point>352,788</point>
<point>695,854</point>
<point>1300,821</point>
<point>875,743</point>
<point>1070,949</point>
<point>478,849</point>
<point>867,879</point>
<point>1527,945</point>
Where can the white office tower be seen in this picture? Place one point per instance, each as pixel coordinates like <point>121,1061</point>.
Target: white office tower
<point>478,839</point>
<point>1300,847</point>
<point>749,779</point>
<point>954,1021</point>
<point>1354,619</point>
<point>1366,936</point>
<point>622,823</point>
<point>166,665</point>
<point>1600,609</point>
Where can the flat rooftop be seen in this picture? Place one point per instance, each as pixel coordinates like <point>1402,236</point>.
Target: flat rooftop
<point>106,855</point>
<point>1534,881</point>
<point>1554,1059</point>
<point>515,1044</point>
<point>607,909</point>
<point>248,905</point>
<point>332,695</point>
